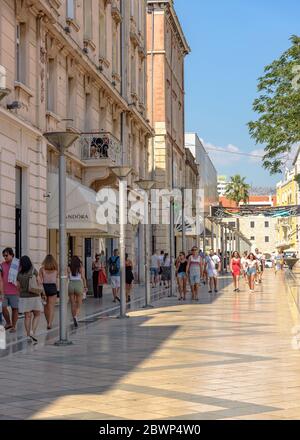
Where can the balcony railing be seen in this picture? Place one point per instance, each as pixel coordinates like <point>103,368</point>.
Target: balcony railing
<point>97,146</point>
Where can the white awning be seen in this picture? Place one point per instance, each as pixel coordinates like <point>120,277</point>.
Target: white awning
<point>81,208</point>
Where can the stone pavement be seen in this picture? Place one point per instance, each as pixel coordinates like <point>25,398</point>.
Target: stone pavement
<point>234,356</point>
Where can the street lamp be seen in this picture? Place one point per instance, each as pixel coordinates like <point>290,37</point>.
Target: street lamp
<point>146,186</point>
<point>122,172</point>
<point>62,141</point>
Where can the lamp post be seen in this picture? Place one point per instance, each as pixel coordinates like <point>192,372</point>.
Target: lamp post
<point>122,172</point>
<point>147,185</point>
<point>62,141</point>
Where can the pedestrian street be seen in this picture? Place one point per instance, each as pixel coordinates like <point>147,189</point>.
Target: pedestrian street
<point>234,357</point>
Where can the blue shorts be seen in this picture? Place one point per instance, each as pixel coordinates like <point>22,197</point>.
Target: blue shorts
<point>154,271</point>
<point>11,301</point>
<point>194,278</point>
<point>181,275</point>
<point>251,271</point>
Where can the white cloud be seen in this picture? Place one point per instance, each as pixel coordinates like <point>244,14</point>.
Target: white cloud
<point>221,155</point>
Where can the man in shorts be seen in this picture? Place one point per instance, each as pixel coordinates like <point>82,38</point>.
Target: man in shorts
<point>213,267</point>
<point>155,269</point>
<point>9,291</point>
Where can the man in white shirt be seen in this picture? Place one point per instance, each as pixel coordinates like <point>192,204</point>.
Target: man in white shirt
<point>213,267</point>
<point>155,266</point>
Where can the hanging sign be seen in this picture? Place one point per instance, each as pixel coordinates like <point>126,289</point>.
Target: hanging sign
<point>253,210</point>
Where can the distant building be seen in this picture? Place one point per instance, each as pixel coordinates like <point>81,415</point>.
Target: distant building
<point>222,185</point>
<point>287,228</point>
<point>259,229</point>
<point>208,180</point>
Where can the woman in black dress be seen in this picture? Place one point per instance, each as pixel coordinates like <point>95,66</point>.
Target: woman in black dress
<point>129,277</point>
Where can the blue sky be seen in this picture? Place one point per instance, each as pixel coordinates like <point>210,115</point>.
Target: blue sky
<point>231,42</point>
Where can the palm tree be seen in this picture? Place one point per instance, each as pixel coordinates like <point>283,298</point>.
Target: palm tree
<point>237,190</point>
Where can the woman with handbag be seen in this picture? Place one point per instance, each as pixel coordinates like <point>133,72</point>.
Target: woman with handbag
<point>30,303</point>
<point>48,275</point>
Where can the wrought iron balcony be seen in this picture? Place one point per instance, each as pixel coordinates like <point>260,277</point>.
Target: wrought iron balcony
<point>100,146</point>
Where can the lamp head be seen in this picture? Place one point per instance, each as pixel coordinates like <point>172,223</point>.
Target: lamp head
<point>61,140</point>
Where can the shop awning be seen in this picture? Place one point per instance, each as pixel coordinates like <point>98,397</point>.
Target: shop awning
<point>81,209</point>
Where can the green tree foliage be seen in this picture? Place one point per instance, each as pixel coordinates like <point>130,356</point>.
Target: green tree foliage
<point>237,190</point>
<point>278,127</point>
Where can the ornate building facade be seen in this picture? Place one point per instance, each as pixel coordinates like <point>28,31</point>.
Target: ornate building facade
<point>79,66</point>
<point>166,51</point>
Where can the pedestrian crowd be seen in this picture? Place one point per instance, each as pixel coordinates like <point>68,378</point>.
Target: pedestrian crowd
<point>198,267</point>
<point>29,291</point>
<point>25,290</point>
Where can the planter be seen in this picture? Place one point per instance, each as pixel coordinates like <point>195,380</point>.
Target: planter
<point>290,262</point>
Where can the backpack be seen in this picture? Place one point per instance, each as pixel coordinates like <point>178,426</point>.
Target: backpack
<point>113,267</point>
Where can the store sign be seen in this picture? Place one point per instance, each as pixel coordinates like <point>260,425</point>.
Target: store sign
<point>78,217</point>
<point>252,210</point>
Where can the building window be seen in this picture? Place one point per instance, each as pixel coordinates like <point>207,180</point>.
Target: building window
<point>140,14</point>
<point>102,35</point>
<point>21,53</point>
<point>267,239</point>
<point>115,49</point>
<point>87,19</point>
<point>51,86</point>
<point>71,101</point>
<point>18,227</point>
<point>132,8</point>
<point>252,238</point>
<point>267,224</point>
<point>70,9</point>
<point>133,74</point>
<point>88,112</point>
<point>252,224</point>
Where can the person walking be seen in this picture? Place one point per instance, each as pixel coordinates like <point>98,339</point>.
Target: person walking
<point>194,271</point>
<point>181,266</point>
<point>243,265</point>
<point>9,269</point>
<point>166,271</point>
<point>129,277</point>
<point>30,301</point>
<point>48,274</point>
<point>114,270</point>
<point>236,268</point>
<point>203,274</point>
<point>213,267</point>
<point>161,263</point>
<point>77,286</point>
<point>252,267</point>
<point>102,276</point>
<point>155,269</point>
<point>278,261</point>
<point>96,266</point>
<point>260,264</point>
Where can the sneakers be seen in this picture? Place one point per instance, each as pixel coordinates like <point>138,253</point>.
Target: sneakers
<point>34,340</point>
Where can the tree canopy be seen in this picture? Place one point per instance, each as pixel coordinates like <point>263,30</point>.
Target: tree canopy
<point>237,190</point>
<point>278,126</point>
